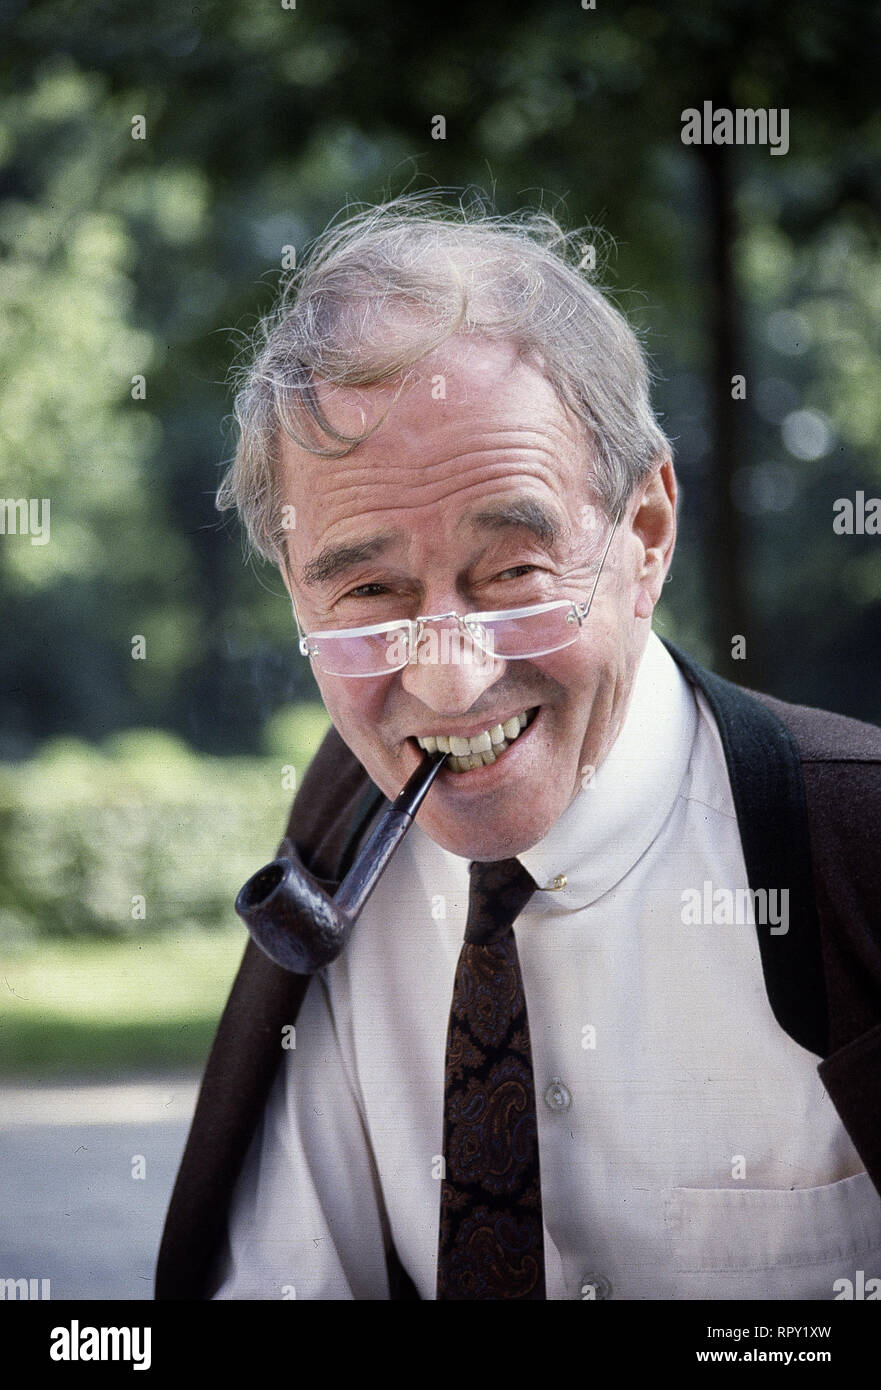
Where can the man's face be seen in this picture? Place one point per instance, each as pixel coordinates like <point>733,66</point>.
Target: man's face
<point>436,490</point>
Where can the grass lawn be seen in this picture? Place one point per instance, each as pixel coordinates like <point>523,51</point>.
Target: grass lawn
<point>89,1007</point>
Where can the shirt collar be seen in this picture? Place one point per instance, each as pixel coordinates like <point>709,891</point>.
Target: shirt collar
<point>614,819</point>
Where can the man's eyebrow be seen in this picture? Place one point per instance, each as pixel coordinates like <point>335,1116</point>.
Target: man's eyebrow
<point>334,560</point>
<point>529,514</point>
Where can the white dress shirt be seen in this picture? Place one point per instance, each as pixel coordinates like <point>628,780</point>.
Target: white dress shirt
<point>688,1148</point>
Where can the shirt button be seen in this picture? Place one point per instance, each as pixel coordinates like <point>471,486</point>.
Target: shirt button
<point>557,1096</point>
<point>595,1286</point>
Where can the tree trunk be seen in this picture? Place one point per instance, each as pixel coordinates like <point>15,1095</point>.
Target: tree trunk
<point>723,529</point>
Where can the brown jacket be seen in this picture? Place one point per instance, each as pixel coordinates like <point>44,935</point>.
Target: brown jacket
<point>807,791</point>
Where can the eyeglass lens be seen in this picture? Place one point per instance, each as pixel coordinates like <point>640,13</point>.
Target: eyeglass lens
<point>378,653</point>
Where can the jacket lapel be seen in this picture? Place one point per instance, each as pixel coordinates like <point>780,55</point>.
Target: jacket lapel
<point>764,769</point>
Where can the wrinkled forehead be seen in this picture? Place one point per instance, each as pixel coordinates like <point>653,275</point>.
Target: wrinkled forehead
<point>473,429</point>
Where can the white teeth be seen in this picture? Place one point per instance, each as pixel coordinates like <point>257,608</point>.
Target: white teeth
<point>482,750</point>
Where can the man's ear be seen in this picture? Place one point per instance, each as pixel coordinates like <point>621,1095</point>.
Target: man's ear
<point>654,526</point>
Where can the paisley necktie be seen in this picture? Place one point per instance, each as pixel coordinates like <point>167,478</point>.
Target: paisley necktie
<point>491,1243</point>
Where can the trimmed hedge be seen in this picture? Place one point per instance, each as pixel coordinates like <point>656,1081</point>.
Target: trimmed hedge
<point>142,834</point>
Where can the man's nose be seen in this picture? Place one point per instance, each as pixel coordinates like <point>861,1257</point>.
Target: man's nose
<point>451,672</point>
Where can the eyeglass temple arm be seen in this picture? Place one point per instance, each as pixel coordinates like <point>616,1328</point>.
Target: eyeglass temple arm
<point>303,644</point>
<point>304,648</point>
<point>303,640</point>
<point>582,609</point>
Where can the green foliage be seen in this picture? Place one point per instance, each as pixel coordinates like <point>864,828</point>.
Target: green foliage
<point>86,833</point>
<point>93,1006</point>
<point>294,732</point>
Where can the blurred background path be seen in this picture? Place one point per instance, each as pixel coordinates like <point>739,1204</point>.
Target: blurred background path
<point>73,1209</point>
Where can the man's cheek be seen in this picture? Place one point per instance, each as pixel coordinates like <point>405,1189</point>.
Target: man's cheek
<point>340,710</point>
<point>356,718</point>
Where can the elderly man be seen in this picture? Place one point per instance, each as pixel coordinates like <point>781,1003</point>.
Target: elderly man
<point>571,1050</point>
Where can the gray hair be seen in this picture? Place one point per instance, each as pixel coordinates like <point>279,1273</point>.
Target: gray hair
<point>383,288</point>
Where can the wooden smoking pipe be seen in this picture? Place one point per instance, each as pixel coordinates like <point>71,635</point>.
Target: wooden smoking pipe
<point>291,917</point>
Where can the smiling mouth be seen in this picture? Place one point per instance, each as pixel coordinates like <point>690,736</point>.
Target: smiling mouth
<point>481,750</point>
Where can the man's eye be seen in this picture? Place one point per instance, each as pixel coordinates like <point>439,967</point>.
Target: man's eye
<point>516,571</point>
<point>366,591</point>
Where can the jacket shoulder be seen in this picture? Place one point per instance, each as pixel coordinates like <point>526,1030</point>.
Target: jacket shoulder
<point>823,736</point>
<point>841,768</point>
<point>820,736</point>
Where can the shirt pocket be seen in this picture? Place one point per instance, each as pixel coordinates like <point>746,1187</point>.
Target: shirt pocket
<point>740,1229</point>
